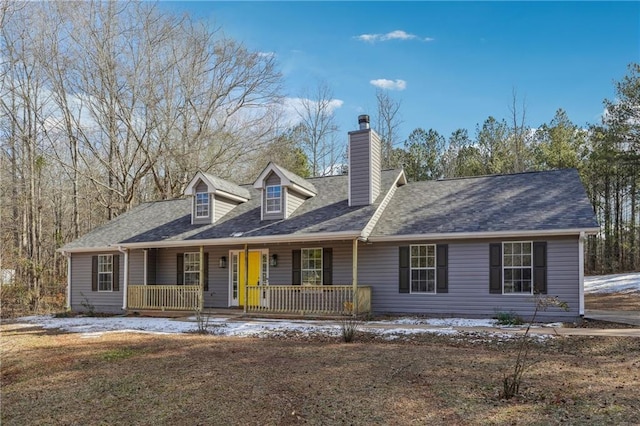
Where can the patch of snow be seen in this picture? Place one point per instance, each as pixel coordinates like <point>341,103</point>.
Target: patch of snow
<point>441,322</point>
<point>94,327</point>
<point>617,283</point>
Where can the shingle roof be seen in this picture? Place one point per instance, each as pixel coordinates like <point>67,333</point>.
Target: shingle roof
<point>300,181</point>
<point>227,186</point>
<point>533,201</point>
<point>328,211</point>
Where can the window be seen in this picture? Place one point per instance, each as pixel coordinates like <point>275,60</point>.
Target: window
<point>234,276</point>
<point>311,266</point>
<point>423,268</point>
<point>274,200</point>
<point>105,272</point>
<point>192,268</point>
<point>517,264</point>
<point>202,204</point>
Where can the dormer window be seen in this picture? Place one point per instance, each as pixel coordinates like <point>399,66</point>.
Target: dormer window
<point>281,192</point>
<point>274,199</point>
<point>202,204</point>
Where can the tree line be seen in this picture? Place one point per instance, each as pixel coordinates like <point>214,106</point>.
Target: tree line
<point>104,105</point>
<point>606,154</point>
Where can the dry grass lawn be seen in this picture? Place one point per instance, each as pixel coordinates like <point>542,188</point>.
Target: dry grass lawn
<point>613,301</point>
<point>127,378</point>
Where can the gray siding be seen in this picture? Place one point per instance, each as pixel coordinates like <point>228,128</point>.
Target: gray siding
<point>376,165</point>
<point>293,201</point>
<point>222,207</point>
<point>81,286</point>
<point>342,271</point>
<point>273,179</point>
<point>217,295</point>
<point>202,187</point>
<point>469,282</point>
<point>136,267</point>
<point>364,167</point>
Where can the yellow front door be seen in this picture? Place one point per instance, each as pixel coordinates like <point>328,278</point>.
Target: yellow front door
<point>253,278</point>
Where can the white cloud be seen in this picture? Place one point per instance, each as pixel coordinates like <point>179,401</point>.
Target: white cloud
<point>398,35</point>
<point>267,54</point>
<point>393,35</point>
<point>383,83</point>
<point>368,37</point>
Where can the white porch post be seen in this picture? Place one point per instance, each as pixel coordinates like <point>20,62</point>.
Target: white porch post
<point>354,273</point>
<point>201,280</point>
<point>125,281</point>
<point>246,276</point>
<point>581,271</point>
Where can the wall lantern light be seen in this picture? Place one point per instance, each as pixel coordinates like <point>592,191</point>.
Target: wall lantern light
<point>223,262</point>
<point>274,260</point>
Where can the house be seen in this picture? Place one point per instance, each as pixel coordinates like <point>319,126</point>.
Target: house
<point>366,241</point>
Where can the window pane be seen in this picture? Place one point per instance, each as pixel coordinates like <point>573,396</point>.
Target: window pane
<point>311,266</point>
<point>526,260</point>
<point>507,249</point>
<point>526,248</point>
<point>423,262</point>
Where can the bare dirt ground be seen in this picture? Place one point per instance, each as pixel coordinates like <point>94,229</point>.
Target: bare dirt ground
<point>127,378</point>
<point>613,301</point>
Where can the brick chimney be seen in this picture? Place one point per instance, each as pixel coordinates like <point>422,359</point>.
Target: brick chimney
<point>364,164</point>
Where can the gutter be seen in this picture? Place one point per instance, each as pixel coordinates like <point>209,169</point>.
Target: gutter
<point>328,236</point>
<point>473,235</point>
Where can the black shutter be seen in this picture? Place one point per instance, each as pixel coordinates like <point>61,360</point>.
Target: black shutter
<point>180,269</point>
<point>327,266</point>
<point>116,272</point>
<point>296,267</point>
<point>442,268</point>
<point>152,255</point>
<point>94,273</point>
<point>206,272</point>
<point>540,267</point>
<point>404,270</point>
<point>495,268</point>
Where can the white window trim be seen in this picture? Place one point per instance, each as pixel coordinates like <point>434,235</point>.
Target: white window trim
<point>515,293</point>
<point>267,198</point>
<point>110,256</point>
<point>434,268</point>
<point>207,204</point>
<point>302,269</point>
<point>184,267</point>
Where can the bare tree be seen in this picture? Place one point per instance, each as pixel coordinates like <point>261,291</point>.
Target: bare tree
<point>387,126</point>
<point>519,133</point>
<point>318,130</point>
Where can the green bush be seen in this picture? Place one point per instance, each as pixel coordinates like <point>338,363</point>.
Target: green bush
<point>508,318</point>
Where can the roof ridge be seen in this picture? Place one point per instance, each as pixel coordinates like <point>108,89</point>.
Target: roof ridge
<point>505,174</point>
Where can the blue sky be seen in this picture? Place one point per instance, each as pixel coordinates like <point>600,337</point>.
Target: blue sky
<point>459,61</point>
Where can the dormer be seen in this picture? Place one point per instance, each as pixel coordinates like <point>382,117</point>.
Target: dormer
<point>281,192</point>
<point>213,197</point>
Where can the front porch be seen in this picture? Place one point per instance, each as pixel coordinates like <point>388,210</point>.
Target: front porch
<point>278,299</point>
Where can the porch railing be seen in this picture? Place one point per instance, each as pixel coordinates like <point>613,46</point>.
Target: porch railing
<point>296,299</point>
<point>164,297</point>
